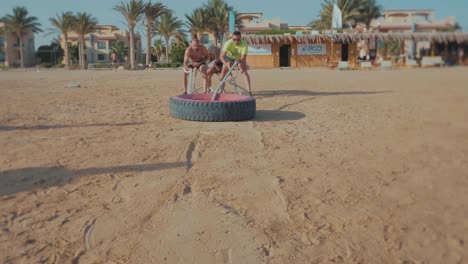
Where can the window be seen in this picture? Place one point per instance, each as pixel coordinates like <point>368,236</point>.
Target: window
<point>2,57</point>
<point>85,58</point>
<point>111,44</point>
<point>101,57</point>
<point>205,39</point>
<point>2,41</point>
<point>101,44</point>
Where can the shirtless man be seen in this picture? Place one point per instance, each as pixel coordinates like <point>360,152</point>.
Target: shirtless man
<point>198,54</point>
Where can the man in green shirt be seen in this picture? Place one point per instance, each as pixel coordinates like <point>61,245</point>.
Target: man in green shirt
<point>235,49</point>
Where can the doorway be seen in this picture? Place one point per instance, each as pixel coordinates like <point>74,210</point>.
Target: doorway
<point>285,52</point>
<point>344,52</point>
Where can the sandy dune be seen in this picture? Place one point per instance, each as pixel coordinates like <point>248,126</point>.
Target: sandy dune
<point>337,167</point>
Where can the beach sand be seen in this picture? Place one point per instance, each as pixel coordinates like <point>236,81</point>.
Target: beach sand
<point>337,167</point>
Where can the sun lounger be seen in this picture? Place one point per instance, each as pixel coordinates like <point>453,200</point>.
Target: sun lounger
<point>386,65</point>
<point>432,61</point>
<point>343,65</point>
<point>366,65</point>
<point>411,63</point>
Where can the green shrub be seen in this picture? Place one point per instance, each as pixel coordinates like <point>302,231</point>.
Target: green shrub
<point>177,54</point>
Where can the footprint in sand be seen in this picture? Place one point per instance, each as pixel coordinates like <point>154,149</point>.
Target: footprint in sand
<point>88,230</point>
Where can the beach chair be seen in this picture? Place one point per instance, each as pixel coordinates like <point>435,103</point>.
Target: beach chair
<point>386,65</point>
<point>366,65</point>
<point>343,65</point>
<point>432,61</point>
<point>411,63</point>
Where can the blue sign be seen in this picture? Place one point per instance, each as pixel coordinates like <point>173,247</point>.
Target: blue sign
<point>91,50</point>
<point>232,19</point>
<point>311,49</point>
<point>262,49</point>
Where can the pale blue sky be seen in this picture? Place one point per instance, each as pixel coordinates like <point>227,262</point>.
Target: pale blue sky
<point>293,12</point>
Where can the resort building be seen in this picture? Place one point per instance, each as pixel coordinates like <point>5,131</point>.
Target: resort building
<point>98,45</point>
<point>250,23</point>
<point>421,21</point>
<point>412,21</point>
<point>327,50</point>
<point>10,49</point>
<point>409,29</point>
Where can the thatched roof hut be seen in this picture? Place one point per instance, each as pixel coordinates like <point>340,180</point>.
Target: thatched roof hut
<point>439,37</point>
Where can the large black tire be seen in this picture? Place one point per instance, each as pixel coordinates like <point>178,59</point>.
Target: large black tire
<point>214,111</point>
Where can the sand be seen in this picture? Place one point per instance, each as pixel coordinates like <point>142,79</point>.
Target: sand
<point>337,167</point>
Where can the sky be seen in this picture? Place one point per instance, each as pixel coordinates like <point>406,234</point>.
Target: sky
<point>293,12</point>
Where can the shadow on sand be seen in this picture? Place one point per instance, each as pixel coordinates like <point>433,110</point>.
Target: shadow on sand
<point>26,179</point>
<point>44,127</point>
<point>280,115</point>
<point>277,115</point>
<point>311,93</point>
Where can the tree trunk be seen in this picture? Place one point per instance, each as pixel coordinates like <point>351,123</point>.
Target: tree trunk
<point>199,36</point>
<point>386,50</point>
<point>5,49</point>
<point>148,44</point>
<point>81,51</point>
<point>66,52</point>
<point>21,49</point>
<point>132,48</point>
<point>167,49</point>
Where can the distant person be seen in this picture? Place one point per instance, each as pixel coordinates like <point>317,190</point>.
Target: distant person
<point>235,49</point>
<point>198,55</point>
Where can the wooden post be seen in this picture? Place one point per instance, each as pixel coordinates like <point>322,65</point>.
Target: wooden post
<point>432,48</point>
<point>446,50</point>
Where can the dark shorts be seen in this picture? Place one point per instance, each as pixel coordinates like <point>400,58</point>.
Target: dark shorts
<point>227,58</point>
<point>190,64</point>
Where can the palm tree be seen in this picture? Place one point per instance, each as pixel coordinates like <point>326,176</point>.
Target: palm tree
<point>158,48</point>
<point>218,12</point>
<point>371,10</point>
<point>2,48</point>
<point>64,23</point>
<point>120,50</point>
<point>179,40</point>
<point>152,12</point>
<point>199,21</point>
<point>350,10</point>
<point>168,26</point>
<point>133,13</point>
<point>20,24</point>
<point>84,24</point>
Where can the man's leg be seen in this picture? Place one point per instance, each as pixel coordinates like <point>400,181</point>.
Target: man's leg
<point>203,72</point>
<point>208,81</point>
<point>224,71</point>
<point>185,81</point>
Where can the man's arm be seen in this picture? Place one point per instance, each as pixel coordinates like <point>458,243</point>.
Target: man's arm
<point>210,70</point>
<point>206,54</point>
<point>222,55</point>
<point>244,52</point>
<point>243,57</point>
<point>186,58</point>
